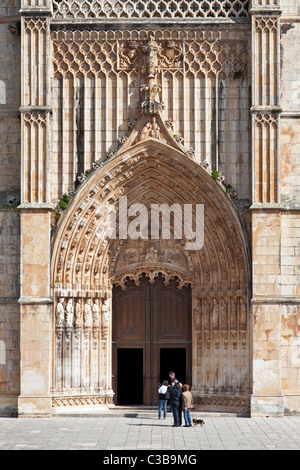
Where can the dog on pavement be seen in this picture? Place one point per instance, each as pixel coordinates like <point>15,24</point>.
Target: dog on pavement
<point>198,421</point>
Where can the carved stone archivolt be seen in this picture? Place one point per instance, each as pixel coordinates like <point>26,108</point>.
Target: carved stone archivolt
<point>87,262</point>
<point>83,259</point>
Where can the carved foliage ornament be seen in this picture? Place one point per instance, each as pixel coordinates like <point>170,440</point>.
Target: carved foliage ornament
<point>133,55</point>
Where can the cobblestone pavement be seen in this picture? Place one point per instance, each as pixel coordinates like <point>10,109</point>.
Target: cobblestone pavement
<point>113,433</point>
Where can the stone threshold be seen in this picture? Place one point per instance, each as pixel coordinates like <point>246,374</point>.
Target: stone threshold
<point>150,412</point>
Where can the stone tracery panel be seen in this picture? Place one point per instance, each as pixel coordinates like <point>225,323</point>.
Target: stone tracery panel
<point>163,9</point>
<point>81,53</point>
<point>96,95</point>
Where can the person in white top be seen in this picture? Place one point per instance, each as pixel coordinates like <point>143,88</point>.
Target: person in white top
<point>163,399</point>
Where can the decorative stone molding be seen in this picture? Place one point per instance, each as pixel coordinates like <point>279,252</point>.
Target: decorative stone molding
<point>164,10</point>
<point>35,24</point>
<point>94,70</point>
<point>92,53</point>
<point>222,402</point>
<point>80,400</point>
<point>152,273</point>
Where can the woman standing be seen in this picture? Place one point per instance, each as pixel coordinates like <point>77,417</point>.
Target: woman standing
<point>187,403</point>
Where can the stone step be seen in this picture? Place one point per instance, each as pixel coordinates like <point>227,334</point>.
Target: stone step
<point>126,412</point>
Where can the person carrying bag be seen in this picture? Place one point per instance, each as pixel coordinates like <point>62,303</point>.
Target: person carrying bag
<point>164,396</point>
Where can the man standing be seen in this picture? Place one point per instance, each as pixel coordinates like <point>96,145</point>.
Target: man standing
<point>172,381</point>
<point>172,378</point>
<point>175,399</point>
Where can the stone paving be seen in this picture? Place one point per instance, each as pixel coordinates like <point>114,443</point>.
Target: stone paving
<point>121,433</point>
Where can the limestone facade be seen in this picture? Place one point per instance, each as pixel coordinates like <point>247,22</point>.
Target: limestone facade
<point>174,103</point>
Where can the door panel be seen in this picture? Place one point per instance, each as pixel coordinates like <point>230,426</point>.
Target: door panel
<point>172,315</point>
<point>130,315</point>
<point>155,318</point>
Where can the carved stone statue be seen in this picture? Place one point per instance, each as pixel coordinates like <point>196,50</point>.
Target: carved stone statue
<point>88,317</point>
<point>224,319</point>
<point>206,315</point>
<point>216,314</point>
<point>60,313</point>
<point>151,129</point>
<point>105,319</point>
<point>243,314</point>
<point>151,255</point>
<point>96,314</point>
<point>233,317</point>
<point>197,315</point>
<point>78,314</point>
<point>69,314</point>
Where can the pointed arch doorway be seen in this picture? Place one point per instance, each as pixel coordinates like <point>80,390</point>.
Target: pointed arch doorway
<point>152,334</point>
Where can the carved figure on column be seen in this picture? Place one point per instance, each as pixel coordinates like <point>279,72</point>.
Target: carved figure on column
<point>60,313</point>
<point>216,313</point>
<point>69,314</point>
<point>78,315</point>
<point>224,319</point>
<point>243,314</point>
<point>233,316</point>
<point>96,314</point>
<point>105,319</point>
<point>88,317</point>
<point>197,315</point>
<point>206,315</point>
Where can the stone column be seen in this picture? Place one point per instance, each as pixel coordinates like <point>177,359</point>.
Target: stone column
<point>266,210</point>
<point>35,211</point>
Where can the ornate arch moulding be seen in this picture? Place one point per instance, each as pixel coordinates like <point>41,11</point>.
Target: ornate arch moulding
<point>75,233</point>
<point>152,273</point>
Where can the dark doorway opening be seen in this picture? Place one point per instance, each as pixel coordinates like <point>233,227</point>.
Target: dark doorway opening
<point>173,359</point>
<point>130,376</point>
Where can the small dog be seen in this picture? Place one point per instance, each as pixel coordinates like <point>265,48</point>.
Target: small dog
<point>198,421</point>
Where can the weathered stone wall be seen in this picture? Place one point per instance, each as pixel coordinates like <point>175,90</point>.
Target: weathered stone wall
<point>10,75</point>
<point>9,310</point>
<point>290,7</point>
<point>290,196</point>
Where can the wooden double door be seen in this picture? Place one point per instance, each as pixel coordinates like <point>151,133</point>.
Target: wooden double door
<point>151,336</point>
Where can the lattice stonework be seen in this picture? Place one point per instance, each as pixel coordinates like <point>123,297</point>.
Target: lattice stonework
<point>150,9</point>
<point>102,73</point>
<point>77,54</point>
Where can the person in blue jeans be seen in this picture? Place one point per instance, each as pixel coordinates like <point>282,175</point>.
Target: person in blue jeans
<point>187,403</point>
<point>163,399</point>
<point>175,399</point>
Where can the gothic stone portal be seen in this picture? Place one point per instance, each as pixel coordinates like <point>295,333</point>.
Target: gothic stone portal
<point>151,318</point>
<point>215,338</point>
